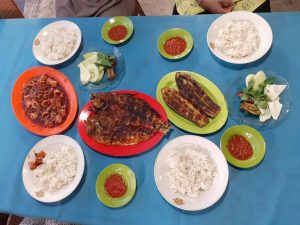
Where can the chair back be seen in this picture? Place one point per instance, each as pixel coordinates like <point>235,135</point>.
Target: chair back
<point>9,9</point>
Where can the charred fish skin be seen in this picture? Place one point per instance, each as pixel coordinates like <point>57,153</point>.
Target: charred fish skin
<point>192,92</point>
<point>181,106</point>
<point>250,108</point>
<point>122,119</point>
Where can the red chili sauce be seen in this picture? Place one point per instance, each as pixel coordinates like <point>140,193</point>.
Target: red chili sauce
<point>117,33</point>
<point>115,186</point>
<point>175,46</point>
<point>239,147</point>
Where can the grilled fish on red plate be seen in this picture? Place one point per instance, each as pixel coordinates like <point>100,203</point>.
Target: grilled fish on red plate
<point>122,119</point>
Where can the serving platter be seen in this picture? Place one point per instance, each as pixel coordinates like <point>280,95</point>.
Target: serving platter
<point>263,28</point>
<point>52,143</point>
<point>36,49</point>
<point>207,198</point>
<point>213,92</point>
<point>17,101</point>
<point>116,150</point>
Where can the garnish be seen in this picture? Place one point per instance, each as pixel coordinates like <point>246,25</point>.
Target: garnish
<point>260,97</point>
<point>95,65</point>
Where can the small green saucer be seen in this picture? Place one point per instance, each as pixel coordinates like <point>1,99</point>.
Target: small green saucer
<point>117,20</point>
<point>129,179</point>
<point>253,136</point>
<point>175,32</point>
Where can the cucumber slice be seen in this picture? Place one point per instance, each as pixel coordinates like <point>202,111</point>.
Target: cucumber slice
<point>101,73</point>
<point>248,78</point>
<point>259,79</point>
<point>93,70</point>
<point>93,59</point>
<point>98,78</point>
<point>90,55</point>
<point>84,74</point>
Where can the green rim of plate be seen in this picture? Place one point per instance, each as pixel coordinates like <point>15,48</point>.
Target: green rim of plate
<point>212,91</point>
<point>175,32</point>
<point>117,20</point>
<point>253,136</point>
<point>129,179</point>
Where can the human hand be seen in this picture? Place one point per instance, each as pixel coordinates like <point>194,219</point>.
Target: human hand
<point>216,6</point>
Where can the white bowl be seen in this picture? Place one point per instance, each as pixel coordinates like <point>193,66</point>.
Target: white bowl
<point>263,28</point>
<point>62,23</point>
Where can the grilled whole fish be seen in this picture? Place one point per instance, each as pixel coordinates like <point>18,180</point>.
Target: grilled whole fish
<point>122,119</point>
<point>181,106</point>
<point>193,93</point>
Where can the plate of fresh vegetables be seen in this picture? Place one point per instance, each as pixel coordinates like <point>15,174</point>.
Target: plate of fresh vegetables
<point>259,99</point>
<point>101,70</point>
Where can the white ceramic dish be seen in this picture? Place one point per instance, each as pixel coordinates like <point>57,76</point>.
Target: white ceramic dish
<point>62,23</point>
<point>263,28</point>
<point>207,198</point>
<point>47,144</point>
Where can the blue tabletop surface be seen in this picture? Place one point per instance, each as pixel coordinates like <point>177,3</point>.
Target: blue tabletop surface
<point>266,194</point>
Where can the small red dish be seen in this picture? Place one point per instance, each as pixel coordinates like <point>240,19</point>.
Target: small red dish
<point>116,150</point>
<point>17,101</point>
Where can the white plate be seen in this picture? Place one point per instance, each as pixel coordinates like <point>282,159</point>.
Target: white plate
<point>263,28</point>
<point>47,144</point>
<point>62,23</point>
<point>207,198</point>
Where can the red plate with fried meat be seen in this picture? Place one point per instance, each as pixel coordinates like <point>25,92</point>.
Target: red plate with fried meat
<point>44,101</point>
<point>122,123</point>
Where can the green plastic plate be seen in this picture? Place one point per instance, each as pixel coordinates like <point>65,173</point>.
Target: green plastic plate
<point>129,179</point>
<point>117,20</point>
<point>253,136</point>
<point>213,92</point>
<point>175,32</point>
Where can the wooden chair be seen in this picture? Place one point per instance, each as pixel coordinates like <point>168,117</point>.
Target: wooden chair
<point>9,9</point>
<point>139,9</point>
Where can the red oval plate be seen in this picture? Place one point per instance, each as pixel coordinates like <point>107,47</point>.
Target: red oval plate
<point>116,150</point>
<point>16,99</point>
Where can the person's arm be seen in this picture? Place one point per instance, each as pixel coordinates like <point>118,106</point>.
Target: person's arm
<point>216,6</point>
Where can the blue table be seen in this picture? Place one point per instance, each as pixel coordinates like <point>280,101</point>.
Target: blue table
<point>267,194</point>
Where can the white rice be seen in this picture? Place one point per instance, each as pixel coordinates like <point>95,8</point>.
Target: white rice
<point>191,171</point>
<point>58,169</point>
<point>57,43</point>
<point>238,39</point>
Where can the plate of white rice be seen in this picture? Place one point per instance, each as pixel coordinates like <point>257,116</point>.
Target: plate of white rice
<point>56,42</point>
<point>239,37</point>
<point>191,173</point>
<point>59,173</point>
